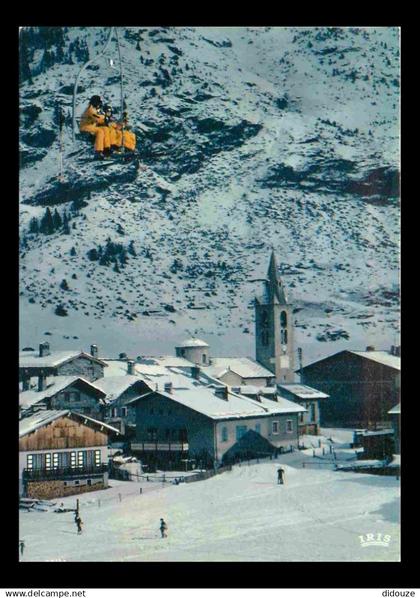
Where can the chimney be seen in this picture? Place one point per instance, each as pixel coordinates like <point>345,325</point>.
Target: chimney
<point>195,372</point>
<point>44,349</point>
<point>222,392</point>
<point>370,348</point>
<point>42,382</point>
<point>131,370</point>
<point>168,387</point>
<point>94,350</point>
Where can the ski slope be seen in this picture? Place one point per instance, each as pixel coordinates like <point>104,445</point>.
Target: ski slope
<point>242,515</point>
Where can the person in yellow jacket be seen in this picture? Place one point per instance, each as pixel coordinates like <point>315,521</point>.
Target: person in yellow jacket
<point>93,122</point>
<point>118,131</point>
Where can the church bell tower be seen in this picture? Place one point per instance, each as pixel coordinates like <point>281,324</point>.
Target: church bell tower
<point>274,327</point>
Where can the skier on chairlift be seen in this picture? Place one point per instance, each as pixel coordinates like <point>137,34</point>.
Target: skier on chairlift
<point>93,122</point>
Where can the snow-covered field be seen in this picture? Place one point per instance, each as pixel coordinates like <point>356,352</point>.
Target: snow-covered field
<point>242,515</point>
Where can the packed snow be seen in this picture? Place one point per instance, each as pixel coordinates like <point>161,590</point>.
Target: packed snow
<point>241,515</point>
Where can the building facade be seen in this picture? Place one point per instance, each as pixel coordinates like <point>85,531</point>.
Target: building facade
<point>46,363</point>
<point>311,399</point>
<point>62,453</point>
<point>211,426</point>
<point>362,387</point>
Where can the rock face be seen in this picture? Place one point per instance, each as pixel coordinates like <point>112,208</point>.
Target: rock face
<point>247,138</point>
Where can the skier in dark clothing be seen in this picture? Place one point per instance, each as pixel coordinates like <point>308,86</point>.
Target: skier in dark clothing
<point>280,476</point>
<point>163,528</point>
<point>22,547</point>
<point>79,523</point>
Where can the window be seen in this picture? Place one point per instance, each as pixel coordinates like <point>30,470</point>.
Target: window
<point>114,412</point>
<point>312,412</point>
<point>225,435</point>
<point>204,358</point>
<point>72,396</point>
<point>55,460</point>
<point>283,319</point>
<point>275,427</point>
<point>151,434</point>
<point>36,461</point>
<point>97,457</point>
<point>81,458</point>
<point>73,459</point>
<point>289,425</point>
<point>301,417</point>
<point>258,428</point>
<point>240,431</point>
<point>29,462</point>
<point>123,411</point>
<point>283,336</point>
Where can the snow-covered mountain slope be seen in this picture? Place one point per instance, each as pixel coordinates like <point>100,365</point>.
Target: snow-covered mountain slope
<point>257,138</point>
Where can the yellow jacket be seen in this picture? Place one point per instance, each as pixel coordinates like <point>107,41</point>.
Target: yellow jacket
<point>91,117</point>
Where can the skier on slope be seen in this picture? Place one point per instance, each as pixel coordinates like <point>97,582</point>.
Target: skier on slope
<point>22,547</point>
<point>280,476</point>
<point>79,523</point>
<point>163,528</point>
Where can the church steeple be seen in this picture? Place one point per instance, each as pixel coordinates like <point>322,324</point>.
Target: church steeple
<point>274,326</point>
<point>274,281</point>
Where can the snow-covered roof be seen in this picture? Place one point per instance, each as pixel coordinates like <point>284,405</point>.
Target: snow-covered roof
<point>58,383</point>
<point>242,366</point>
<point>32,359</point>
<point>383,357</point>
<point>115,386</point>
<point>192,342</point>
<point>302,391</point>
<point>392,361</point>
<point>29,424</point>
<point>201,398</point>
<point>255,390</point>
<point>396,410</point>
<point>377,432</point>
<point>39,419</point>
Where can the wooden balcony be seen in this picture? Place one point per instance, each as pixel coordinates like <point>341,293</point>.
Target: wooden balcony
<point>66,473</point>
<point>159,446</point>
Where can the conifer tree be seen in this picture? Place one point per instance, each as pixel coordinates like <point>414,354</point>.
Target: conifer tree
<point>34,226</point>
<point>57,220</point>
<point>47,223</point>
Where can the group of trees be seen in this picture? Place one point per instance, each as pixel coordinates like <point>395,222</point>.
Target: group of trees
<point>52,40</point>
<point>50,223</point>
<point>115,254</point>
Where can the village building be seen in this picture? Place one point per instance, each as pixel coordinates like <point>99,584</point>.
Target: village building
<point>44,363</point>
<point>362,385</point>
<point>62,453</point>
<point>395,414</point>
<point>310,398</point>
<point>65,392</point>
<point>190,417</point>
<point>120,390</point>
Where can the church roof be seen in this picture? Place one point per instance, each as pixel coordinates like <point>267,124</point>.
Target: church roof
<point>192,342</point>
<point>273,291</point>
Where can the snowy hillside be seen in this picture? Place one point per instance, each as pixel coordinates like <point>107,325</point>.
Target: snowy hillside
<point>257,138</point>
